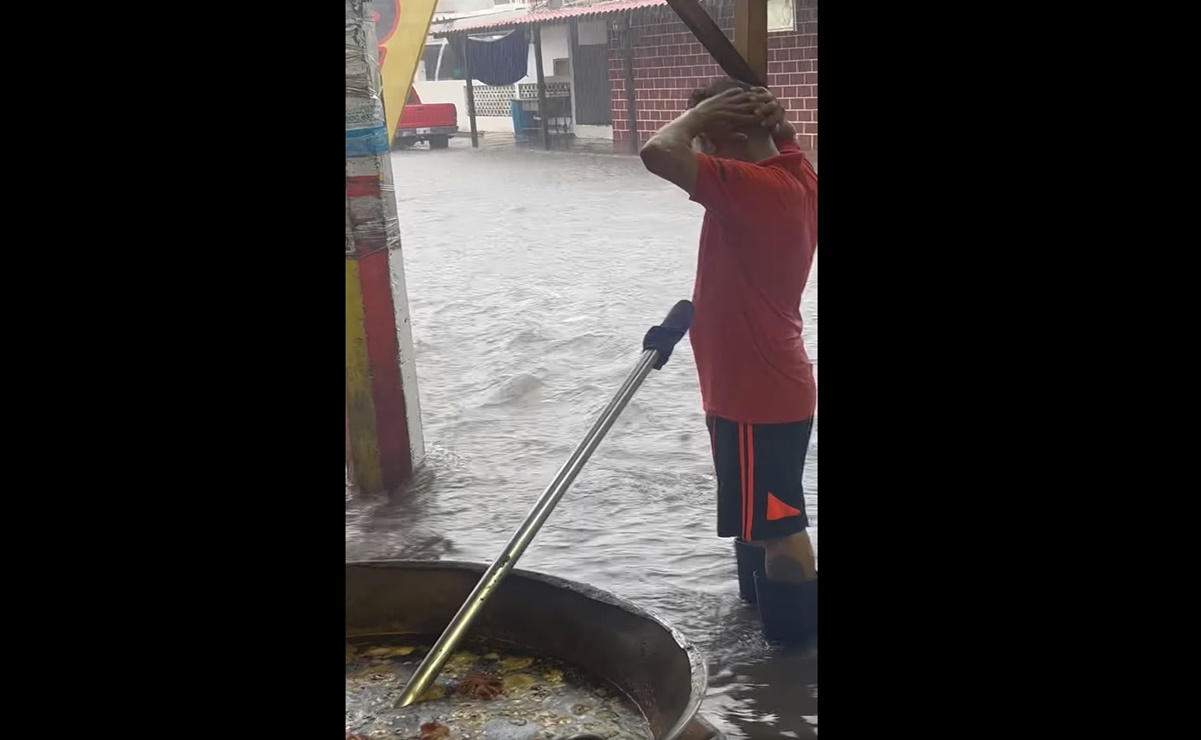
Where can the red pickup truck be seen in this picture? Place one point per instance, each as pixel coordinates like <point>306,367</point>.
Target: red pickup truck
<point>432,122</point>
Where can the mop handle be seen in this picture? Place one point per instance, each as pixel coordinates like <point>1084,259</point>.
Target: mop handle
<point>657,346</point>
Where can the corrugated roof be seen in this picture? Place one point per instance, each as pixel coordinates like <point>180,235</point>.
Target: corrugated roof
<point>507,20</point>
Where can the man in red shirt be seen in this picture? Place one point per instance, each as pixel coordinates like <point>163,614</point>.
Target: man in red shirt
<point>734,153</point>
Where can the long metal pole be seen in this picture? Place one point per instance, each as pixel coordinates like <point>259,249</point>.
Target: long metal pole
<point>433,663</point>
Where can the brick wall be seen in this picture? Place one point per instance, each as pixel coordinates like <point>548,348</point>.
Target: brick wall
<point>669,63</point>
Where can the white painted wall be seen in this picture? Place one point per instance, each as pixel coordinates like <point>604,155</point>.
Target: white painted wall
<point>593,132</point>
<point>555,45</point>
<point>447,91</point>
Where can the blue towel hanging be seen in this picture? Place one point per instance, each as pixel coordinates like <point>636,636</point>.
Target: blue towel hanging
<point>500,62</point>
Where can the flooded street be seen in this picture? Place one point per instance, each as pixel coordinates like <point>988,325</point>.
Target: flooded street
<point>532,277</point>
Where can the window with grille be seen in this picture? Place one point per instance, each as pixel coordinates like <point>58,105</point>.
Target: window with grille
<point>781,15</point>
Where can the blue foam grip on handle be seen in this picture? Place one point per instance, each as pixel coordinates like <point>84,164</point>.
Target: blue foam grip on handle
<point>679,317</point>
<point>664,337</point>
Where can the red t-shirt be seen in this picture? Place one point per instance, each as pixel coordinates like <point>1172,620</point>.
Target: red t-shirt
<point>757,246</point>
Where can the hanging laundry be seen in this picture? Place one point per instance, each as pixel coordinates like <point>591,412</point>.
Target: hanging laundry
<point>500,62</point>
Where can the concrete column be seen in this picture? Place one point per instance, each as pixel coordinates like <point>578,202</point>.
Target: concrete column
<point>383,416</point>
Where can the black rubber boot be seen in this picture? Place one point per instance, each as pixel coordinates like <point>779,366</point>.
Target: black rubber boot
<point>750,559</point>
<point>788,611</point>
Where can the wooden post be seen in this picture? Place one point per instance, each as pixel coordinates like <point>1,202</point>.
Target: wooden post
<point>627,42</point>
<point>750,34</point>
<point>541,87</point>
<point>573,54</point>
<point>475,136</point>
<point>706,31</point>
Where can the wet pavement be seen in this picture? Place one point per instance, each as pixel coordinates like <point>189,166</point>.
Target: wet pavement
<point>532,277</point>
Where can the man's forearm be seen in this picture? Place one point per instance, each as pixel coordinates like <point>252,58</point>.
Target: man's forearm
<point>669,154</point>
<point>678,134</point>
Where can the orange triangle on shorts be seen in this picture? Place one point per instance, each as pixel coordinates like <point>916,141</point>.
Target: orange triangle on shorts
<point>777,509</point>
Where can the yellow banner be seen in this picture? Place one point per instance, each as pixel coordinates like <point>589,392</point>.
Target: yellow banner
<point>401,26</point>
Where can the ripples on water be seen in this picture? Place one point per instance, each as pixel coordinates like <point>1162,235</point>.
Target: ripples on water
<point>532,278</point>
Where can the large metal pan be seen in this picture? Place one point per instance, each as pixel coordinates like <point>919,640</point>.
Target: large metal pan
<point>604,635</point>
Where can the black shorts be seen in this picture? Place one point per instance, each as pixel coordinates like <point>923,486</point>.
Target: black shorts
<point>759,468</point>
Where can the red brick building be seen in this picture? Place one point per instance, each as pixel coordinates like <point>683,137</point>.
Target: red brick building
<point>668,63</point>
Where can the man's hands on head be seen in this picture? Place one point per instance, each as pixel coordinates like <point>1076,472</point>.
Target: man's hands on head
<point>772,114</point>
<point>728,112</point>
<point>669,153</point>
<point>738,109</point>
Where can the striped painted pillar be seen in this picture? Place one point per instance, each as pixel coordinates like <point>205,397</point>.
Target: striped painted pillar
<point>383,417</point>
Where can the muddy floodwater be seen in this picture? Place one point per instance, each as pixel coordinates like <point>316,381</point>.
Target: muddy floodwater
<point>532,277</point>
<point>485,692</point>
